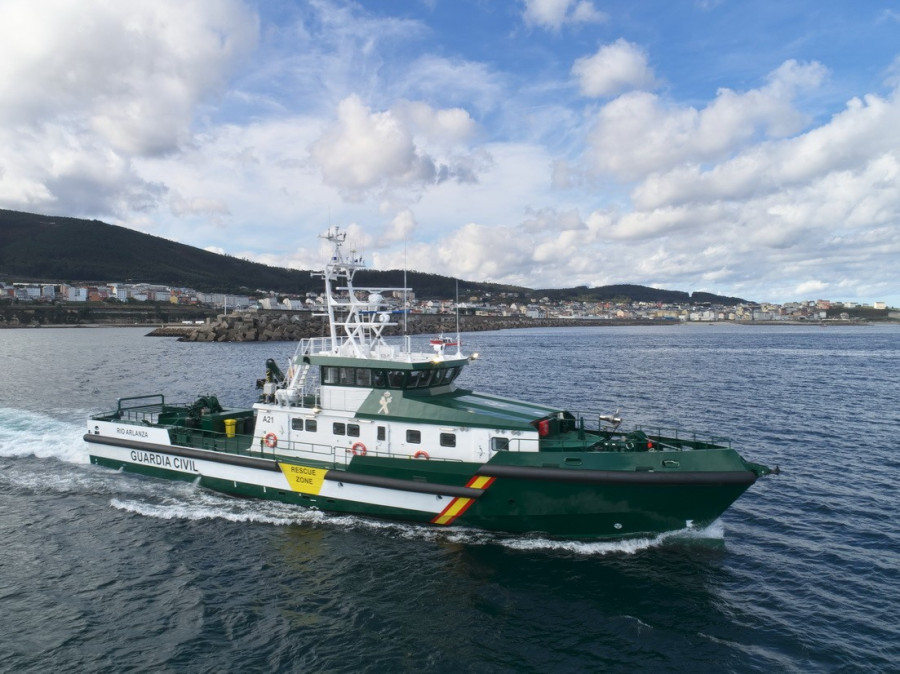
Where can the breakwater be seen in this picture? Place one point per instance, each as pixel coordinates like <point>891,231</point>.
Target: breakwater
<point>292,326</point>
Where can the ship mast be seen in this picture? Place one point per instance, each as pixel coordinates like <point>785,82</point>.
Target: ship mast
<point>356,316</point>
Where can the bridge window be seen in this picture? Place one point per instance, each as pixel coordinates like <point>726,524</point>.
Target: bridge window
<point>396,379</point>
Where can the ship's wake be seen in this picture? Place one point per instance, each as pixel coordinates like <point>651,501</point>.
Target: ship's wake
<point>24,433</point>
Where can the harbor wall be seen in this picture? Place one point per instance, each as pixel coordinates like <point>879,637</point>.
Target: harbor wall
<point>284,326</point>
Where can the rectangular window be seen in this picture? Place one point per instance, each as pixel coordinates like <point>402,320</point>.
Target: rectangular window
<point>448,439</point>
<point>348,376</point>
<point>395,378</point>
<point>425,379</point>
<point>339,428</point>
<point>363,376</point>
<point>378,378</point>
<point>329,375</point>
<point>353,430</point>
<point>381,433</point>
<point>297,424</point>
<point>414,437</point>
<point>311,425</point>
<point>499,444</point>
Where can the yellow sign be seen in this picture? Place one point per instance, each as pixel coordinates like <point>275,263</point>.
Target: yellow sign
<point>303,478</point>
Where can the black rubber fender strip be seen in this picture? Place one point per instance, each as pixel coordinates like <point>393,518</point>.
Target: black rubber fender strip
<point>404,485</point>
<point>619,476</point>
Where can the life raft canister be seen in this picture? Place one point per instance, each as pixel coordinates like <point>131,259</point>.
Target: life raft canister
<point>358,449</point>
<point>271,440</point>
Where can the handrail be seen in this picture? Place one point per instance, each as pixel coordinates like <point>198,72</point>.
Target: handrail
<point>162,401</point>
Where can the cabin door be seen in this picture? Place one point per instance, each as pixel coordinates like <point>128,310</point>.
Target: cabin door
<point>382,439</point>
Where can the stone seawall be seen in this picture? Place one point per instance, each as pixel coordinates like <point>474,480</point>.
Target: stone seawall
<point>292,326</point>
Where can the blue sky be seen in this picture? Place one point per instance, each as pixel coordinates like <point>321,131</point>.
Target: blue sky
<point>747,149</point>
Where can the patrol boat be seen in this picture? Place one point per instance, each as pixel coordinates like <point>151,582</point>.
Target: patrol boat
<point>358,424</point>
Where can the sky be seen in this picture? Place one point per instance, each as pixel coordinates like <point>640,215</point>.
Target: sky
<point>749,149</point>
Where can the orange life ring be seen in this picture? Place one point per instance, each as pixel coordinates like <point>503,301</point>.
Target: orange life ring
<point>358,449</point>
<point>271,440</point>
<point>421,454</point>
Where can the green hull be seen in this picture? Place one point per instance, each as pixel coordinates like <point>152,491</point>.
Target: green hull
<point>605,496</point>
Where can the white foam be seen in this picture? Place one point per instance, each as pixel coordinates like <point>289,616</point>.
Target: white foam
<point>25,433</point>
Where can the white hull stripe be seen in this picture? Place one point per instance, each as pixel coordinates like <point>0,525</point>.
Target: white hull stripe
<point>373,490</point>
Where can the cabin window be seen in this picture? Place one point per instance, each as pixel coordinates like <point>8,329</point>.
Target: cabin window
<point>414,437</point>
<point>378,379</point>
<point>353,430</point>
<point>339,429</point>
<point>330,375</point>
<point>448,439</point>
<point>381,433</point>
<point>298,424</point>
<point>499,444</point>
<point>395,378</point>
<point>363,376</point>
<point>413,380</point>
<point>348,376</point>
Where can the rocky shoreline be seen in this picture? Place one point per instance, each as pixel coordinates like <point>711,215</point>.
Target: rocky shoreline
<point>292,326</point>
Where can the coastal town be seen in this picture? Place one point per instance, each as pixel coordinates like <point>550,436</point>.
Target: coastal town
<point>499,304</point>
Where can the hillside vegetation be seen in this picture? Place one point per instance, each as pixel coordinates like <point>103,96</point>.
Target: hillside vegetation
<point>54,248</point>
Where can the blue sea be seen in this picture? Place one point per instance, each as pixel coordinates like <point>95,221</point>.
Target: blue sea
<point>108,572</point>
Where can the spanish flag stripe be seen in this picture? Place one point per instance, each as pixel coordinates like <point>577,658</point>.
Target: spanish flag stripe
<point>460,504</point>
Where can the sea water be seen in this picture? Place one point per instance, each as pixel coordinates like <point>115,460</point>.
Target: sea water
<point>107,572</point>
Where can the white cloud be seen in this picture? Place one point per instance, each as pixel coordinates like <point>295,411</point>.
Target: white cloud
<point>614,68</point>
<point>88,86</point>
<point>640,133</point>
<point>402,227</point>
<point>364,150</point>
<point>553,14</point>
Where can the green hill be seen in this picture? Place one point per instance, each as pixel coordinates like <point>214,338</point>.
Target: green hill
<point>54,248</point>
